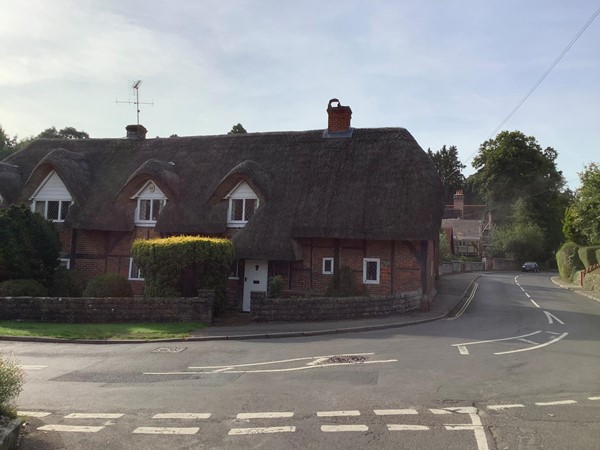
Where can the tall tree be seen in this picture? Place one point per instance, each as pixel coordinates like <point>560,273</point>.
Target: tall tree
<point>7,144</point>
<point>65,133</point>
<point>514,166</point>
<point>582,218</point>
<point>237,129</point>
<point>450,169</point>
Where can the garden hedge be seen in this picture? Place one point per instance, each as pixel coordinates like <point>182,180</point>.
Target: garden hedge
<point>568,261</point>
<point>587,255</point>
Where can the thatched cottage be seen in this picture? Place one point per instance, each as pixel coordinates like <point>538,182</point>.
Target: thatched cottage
<point>297,204</point>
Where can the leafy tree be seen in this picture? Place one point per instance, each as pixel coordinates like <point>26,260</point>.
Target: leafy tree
<point>449,168</point>
<point>29,245</point>
<point>7,144</point>
<point>513,166</point>
<point>65,133</point>
<point>582,219</point>
<point>237,129</point>
<point>523,241</point>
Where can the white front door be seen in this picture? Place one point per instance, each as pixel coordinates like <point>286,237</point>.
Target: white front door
<point>255,279</point>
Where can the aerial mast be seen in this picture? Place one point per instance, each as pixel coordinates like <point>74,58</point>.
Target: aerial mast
<point>136,102</point>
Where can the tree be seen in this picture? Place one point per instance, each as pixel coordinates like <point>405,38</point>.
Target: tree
<point>513,166</point>
<point>29,245</point>
<point>449,168</point>
<point>237,129</point>
<point>582,219</point>
<point>7,144</point>
<point>65,133</point>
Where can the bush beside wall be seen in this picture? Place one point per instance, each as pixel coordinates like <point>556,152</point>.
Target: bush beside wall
<point>568,261</point>
<point>592,281</point>
<point>587,255</point>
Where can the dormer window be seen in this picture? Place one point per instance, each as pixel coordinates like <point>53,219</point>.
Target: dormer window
<point>52,199</point>
<point>150,202</point>
<point>243,202</point>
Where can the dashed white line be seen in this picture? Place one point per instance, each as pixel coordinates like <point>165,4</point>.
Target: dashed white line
<point>343,428</point>
<point>400,427</point>
<point>593,398</point>
<point>37,414</point>
<point>261,430</point>
<point>533,301</point>
<point>394,412</point>
<point>500,407</point>
<point>32,367</point>
<point>93,416</point>
<point>70,428</point>
<point>560,402</point>
<point>166,430</point>
<point>181,416</point>
<point>337,413</point>
<point>265,415</point>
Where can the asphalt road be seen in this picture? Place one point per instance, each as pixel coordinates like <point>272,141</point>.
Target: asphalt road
<point>518,369</point>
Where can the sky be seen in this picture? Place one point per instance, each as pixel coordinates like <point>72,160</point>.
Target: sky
<point>447,71</point>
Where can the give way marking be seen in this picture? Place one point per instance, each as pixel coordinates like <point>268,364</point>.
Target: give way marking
<point>462,348</point>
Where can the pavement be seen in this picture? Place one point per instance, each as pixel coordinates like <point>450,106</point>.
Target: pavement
<point>451,290</point>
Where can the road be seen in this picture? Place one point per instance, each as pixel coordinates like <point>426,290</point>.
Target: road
<point>519,368</point>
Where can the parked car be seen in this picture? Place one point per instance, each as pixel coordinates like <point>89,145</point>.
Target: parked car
<point>530,267</point>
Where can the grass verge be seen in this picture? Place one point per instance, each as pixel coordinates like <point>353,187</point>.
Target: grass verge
<point>100,330</point>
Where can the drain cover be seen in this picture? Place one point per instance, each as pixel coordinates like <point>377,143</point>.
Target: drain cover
<point>169,350</point>
<point>346,359</point>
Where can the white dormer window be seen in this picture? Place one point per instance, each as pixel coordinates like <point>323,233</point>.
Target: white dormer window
<point>150,202</point>
<point>243,202</point>
<point>52,199</point>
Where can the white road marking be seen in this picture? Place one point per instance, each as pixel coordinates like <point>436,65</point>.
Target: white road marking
<point>70,428</point>
<point>500,407</point>
<point>560,402</point>
<point>463,350</point>
<point>528,296</point>
<point>439,411</point>
<point>306,358</point>
<point>534,347</point>
<point>37,414</point>
<point>321,366</point>
<point>166,430</point>
<point>343,428</point>
<point>551,316</point>
<point>265,415</point>
<point>477,427</point>
<point>467,303</point>
<point>593,398</point>
<point>263,430</point>
<point>533,301</point>
<point>337,413</point>
<point>31,367</point>
<point>497,340</point>
<point>394,412</point>
<point>93,416</point>
<point>463,409</point>
<point>181,416</point>
<point>528,341</point>
<point>398,427</point>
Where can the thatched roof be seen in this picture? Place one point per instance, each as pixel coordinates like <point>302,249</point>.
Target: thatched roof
<point>10,183</point>
<point>377,184</point>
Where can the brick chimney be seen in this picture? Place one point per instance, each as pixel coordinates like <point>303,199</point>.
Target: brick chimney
<point>459,202</point>
<point>136,131</point>
<point>339,117</point>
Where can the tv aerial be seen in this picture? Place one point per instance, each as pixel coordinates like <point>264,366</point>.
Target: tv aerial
<point>136,89</point>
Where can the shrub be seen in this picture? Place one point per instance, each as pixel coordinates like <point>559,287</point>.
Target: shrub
<point>275,287</point>
<point>568,261</point>
<point>183,265</point>
<point>11,384</point>
<point>108,285</point>
<point>343,284</point>
<point>67,283</point>
<point>22,288</point>
<point>592,280</point>
<point>587,255</point>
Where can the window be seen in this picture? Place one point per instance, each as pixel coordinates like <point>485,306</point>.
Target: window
<point>64,262</point>
<point>371,270</point>
<point>243,202</point>
<point>135,273</point>
<point>327,266</point>
<point>150,202</point>
<point>233,271</point>
<point>54,210</point>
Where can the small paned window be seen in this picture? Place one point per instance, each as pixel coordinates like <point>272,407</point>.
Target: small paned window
<point>327,266</point>
<point>371,270</point>
<point>64,262</point>
<point>150,202</point>
<point>135,273</point>
<point>241,210</point>
<point>54,210</point>
<point>233,271</point>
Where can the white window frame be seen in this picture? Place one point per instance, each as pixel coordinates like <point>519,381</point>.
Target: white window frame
<point>141,196</point>
<point>138,273</point>
<point>366,262</point>
<point>243,197</point>
<point>324,271</point>
<point>65,262</point>
<point>235,274</point>
<point>45,213</point>
<point>62,198</point>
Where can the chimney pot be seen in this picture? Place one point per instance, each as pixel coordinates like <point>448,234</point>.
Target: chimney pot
<point>339,117</point>
<point>136,131</point>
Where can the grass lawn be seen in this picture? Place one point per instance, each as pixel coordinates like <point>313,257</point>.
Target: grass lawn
<point>100,330</point>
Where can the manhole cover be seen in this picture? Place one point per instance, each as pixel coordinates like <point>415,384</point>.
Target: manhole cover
<point>169,350</point>
<point>346,359</point>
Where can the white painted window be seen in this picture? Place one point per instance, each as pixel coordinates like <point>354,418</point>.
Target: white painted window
<point>327,266</point>
<point>371,268</point>
<point>150,202</point>
<point>243,202</point>
<point>64,262</point>
<point>135,273</point>
<point>52,199</point>
<point>234,271</point>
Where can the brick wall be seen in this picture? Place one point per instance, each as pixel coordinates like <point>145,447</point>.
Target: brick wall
<point>328,308</point>
<point>108,310</point>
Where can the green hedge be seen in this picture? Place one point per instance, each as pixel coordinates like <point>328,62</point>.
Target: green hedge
<point>181,265</point>
<point>592,280</point>
<point>108,285</point>
<point>567,259</point>
<point>588,256</point>
<point>23,288</point>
